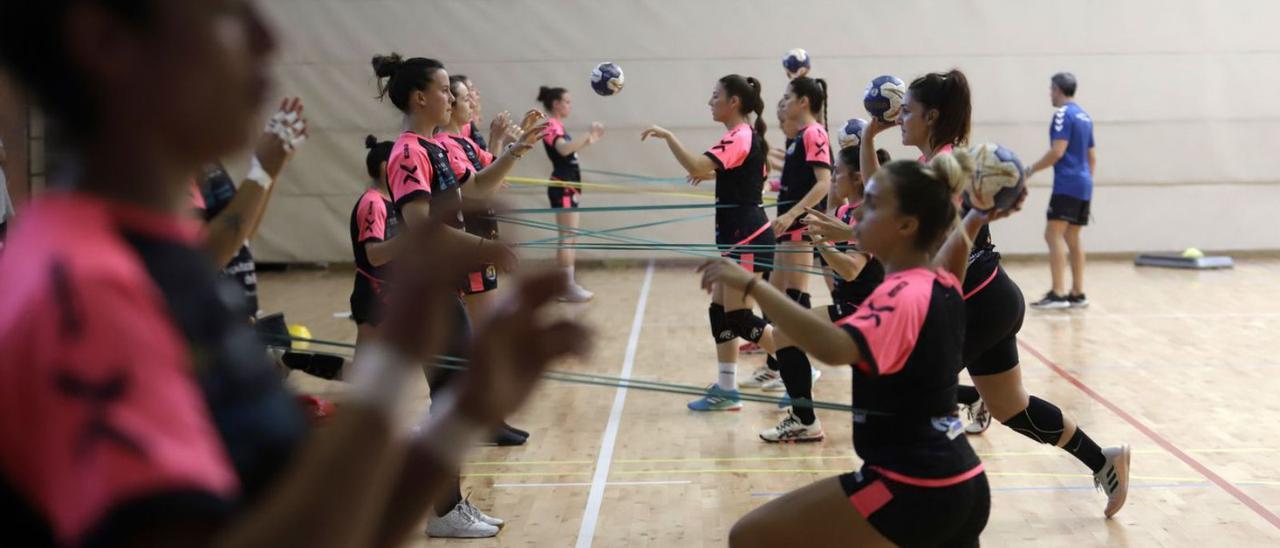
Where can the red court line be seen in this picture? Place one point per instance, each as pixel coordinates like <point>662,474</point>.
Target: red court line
<point>1160,440</point>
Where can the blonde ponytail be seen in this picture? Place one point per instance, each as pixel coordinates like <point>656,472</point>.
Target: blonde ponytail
<point>955,169</point>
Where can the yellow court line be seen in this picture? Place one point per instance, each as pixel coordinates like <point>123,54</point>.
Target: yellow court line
<point>527,462</point>
<point>677,472</point>
<point>833,457</point>
<point>1135,451</point>
<point>659,460</point>
<point>523,474</point>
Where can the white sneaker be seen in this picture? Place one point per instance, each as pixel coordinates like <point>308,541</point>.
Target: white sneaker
<point>460,523</point>
<point>791,430</point>
<point>1113,479</point>
<point>777,385</point>
<point>762,376</point>
<point>774,385</point>
<point>576,294</point>
<point>478,514</point>
<point>978,417</point>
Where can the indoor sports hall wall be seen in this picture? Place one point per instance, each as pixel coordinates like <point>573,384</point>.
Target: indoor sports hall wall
<point>1183,95</point>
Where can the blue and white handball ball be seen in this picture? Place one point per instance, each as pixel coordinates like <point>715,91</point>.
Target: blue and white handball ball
<point>998,177</point>
<point>795,60</point>
<point>883,98</point>
<point>607,79</point>
<point>850,134</point>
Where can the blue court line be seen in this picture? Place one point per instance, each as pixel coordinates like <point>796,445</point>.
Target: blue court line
<point>1066,488</point>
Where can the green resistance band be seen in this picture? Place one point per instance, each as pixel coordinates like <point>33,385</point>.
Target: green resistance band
<point>455,363</point>
<point>633,240</point>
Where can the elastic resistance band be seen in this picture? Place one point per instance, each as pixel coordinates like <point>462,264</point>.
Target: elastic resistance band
<point>615,188</point>
<point>630,227</point>
<point>600,209</point>
<point>629,239</point>
<point>635,176</point>
<point>615,382</point>
<point>662,247</point>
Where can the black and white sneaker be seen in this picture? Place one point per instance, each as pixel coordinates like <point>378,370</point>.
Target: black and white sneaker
<point>1051,301</point>
<point>979,418</point>
<point>1078,301</point>
<point>791,430</point>
<point>1113,479</point>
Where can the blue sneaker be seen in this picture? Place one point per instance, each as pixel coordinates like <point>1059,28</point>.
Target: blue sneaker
<point>717,399</point>
<point>785,402</point>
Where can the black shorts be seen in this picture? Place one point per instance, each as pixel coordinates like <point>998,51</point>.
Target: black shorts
<point>482,281</point>
<point>910,515</point>
<point>1068,208</point>
<point>993,317</point>
<point>839,310</point>
<point>483,225</point>
<point>795,233</point>
<point>742,241</point>
<point>563,197</point>
<point>366,305</point>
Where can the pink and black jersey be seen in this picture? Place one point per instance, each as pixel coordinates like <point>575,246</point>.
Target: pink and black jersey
<point>810,149</point>
<point>133,391</point>
<point>472,132</point>
<point>372,221</point>
<point>741,166</point>
<point>563,168</point>
<point>742,227</point>
<point>868,279</point>
<point>423,168</point>
<point>479,223</point>
<point>476,155</point>
<point>910,332</point>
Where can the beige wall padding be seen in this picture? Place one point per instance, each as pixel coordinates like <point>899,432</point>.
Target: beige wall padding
<point>1182,94</point>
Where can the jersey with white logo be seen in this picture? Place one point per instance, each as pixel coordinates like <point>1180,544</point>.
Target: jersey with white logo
<point>1071,174</point>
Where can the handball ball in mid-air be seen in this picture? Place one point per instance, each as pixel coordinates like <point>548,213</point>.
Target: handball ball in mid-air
<point>607,79</point>
<point>795,60</point>
<point>883,98</point>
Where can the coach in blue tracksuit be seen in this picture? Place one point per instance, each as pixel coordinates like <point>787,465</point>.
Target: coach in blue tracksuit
<point>1071,155</point>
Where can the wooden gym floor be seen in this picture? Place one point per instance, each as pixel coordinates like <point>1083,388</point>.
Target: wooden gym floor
<point>1181,365</point>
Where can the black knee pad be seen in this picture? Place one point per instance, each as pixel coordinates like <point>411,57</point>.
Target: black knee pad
<point>745,324</point>
<point>801,298</point>
<point>1040,421</point>
<point>720,330</point>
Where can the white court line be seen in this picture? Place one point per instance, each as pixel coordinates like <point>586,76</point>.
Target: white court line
<point>584,484</point>
<point>1174,315</point>
<point>598,480</point>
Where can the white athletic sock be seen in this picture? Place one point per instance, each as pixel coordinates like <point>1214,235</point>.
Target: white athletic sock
<point>728,376</point>
<point>568,272</point>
